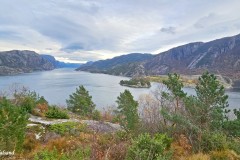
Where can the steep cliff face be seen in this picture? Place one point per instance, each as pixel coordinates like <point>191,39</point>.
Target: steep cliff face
<point>221,56</point>
<point>14,62</point>
<point>176,58</point>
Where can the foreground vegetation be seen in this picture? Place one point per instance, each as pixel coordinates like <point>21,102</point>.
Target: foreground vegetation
<point>163,125</point>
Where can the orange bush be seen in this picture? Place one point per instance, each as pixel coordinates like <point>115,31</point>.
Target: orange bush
<point>30,143</point>
<point>43,108</point>
<point>226,154</point>
<point>108,115</point>
<point>40,109</point>
<point>199,156</point>
<point>181,147</point>
<point>117,151</point>
<point>63,144</point>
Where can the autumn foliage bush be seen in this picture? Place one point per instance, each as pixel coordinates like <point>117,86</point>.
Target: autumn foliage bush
<point>224,155</point>
<point>30,143</point>
<point>181,147</point>
<point>63,144</point>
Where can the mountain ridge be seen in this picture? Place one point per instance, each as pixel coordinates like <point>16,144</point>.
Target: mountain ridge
<point>219,56</point>
<point>25,61</point>
<point>16,61</point>
<point>118,65</point>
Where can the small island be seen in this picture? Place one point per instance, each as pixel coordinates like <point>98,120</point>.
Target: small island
<point>136,83</point>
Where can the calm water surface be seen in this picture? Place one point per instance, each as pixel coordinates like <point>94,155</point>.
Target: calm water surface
<point>58,84</point>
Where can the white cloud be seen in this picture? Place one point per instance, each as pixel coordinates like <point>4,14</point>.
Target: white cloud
<point>83,30</point>
<point>67,60</point>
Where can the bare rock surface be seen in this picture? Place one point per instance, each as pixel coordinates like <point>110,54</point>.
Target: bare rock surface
<point>96,126</point>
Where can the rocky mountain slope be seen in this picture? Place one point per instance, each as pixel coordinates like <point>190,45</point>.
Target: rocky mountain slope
<point>221,56</point>
<point>127,65</point>
<point>14,62</point>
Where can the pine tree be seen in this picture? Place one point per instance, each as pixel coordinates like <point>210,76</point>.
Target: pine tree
<point>174,85</point>
<point>81,102</point>
<point>213,100</point>
<point>128,110</point>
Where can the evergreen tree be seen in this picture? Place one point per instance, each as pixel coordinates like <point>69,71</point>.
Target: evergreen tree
<point>198,115</point>
<point>128,110</point>
<point>175,86</point>
<point>213,100</point>
<point>81,102</point>
<point>13,122</point>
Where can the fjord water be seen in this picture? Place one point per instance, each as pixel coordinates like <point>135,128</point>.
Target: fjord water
<point>58,84</point>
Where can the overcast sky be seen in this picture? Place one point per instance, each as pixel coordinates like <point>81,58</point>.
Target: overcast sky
<point>86,30</point>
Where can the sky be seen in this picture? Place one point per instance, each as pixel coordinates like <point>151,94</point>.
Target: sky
<point>89,30</point>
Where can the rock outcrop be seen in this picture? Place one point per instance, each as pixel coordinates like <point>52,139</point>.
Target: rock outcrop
<point>96,126</point>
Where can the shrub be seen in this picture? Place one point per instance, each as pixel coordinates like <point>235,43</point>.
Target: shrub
<point>109,114</point>
<point>72,128</point>
<point>42,107</point>
<point>213,141</point>
<point>96,115</point>
<point>146,147</point>
<point>27,99</point>
<point>181,147</point>
<point>49,155</point>
<point>79,154</point>
<point>36,112</point>
<point>62,128</point>
<point>13,122</point>
<point>30,143</point>
<point>122,136</point>
<point>28,104</point>
<point>224,155</point>
<point>198,156</point>
<point>234,144</point>
<point>62,144</point>
<point>54,112</point>
<point>232,127</point>
<point>118,151</point>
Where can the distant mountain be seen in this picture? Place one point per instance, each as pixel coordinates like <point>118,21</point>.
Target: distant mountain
<point>126,65</point>
<point>221,56</point>
<point>15,61</point>
<point>58,64</point>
